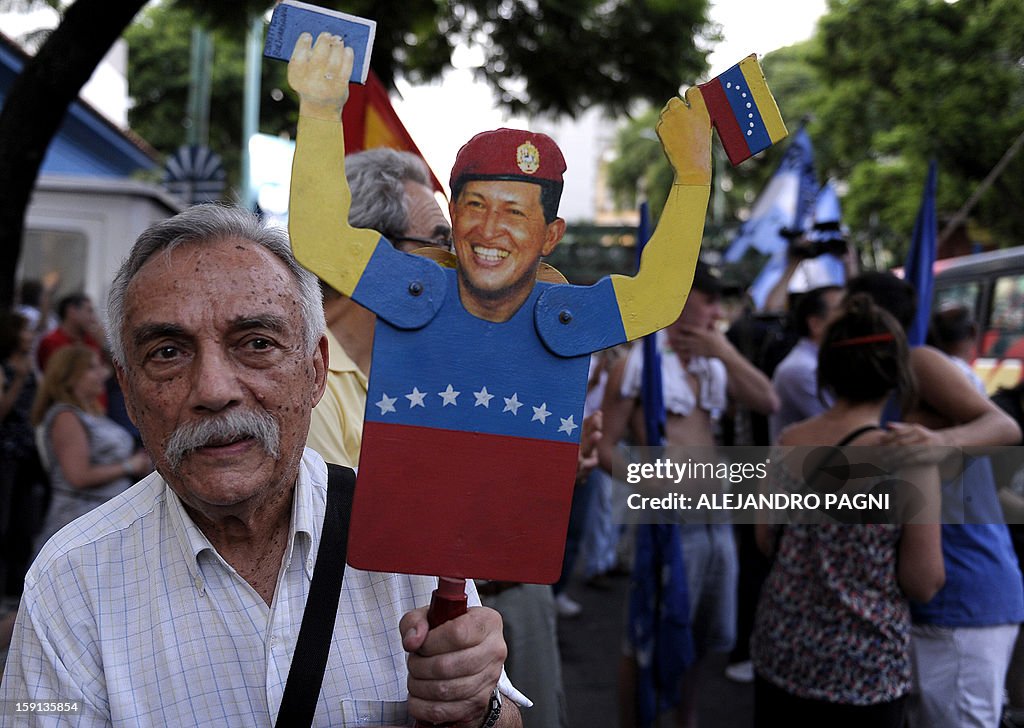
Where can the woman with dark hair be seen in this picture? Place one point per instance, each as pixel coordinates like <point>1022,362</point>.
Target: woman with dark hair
<point>952,330</point>
<point>832,633</point>
<point>90,457</point>
<point>1011,498</point>
<point>962,638</point>
<point>23,484</point>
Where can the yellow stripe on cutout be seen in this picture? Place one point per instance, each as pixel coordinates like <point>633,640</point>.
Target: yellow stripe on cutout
<point>766,105</point>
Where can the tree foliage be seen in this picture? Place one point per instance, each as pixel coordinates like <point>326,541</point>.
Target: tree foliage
<point>542,56</point>
<point>609,53</point>
<point>35,106</point>
<point>578,53</point>
<point>159,75</point>
<point>885,85</point>
<point>640,166</point>
<point>904,81</point>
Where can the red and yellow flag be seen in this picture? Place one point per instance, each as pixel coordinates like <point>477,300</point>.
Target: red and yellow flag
<point>370,121</point>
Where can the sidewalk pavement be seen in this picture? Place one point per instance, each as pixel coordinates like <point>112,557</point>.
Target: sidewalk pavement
<point>591,644</point>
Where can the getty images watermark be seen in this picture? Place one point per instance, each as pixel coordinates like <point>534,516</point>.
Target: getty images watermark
<point>818,485</point>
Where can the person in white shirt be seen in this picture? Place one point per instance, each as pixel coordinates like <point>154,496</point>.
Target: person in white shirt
<point>795,380</point>
<point>179,602</point>
<point>700,372</point>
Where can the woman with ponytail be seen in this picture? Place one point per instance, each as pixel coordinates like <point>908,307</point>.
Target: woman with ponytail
<point>832,633</point>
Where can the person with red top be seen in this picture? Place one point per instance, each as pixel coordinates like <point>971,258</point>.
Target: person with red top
<point>78,325</point>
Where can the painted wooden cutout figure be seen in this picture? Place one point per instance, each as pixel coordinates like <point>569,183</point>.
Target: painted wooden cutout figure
<point>479,373</point>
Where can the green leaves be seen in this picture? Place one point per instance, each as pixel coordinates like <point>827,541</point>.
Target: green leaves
<point>885,85</point>
<point>550,57</point>
<point>900,81</point>
<point>158,75</point>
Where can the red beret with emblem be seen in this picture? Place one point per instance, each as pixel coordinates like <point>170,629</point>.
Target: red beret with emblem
<point>510,154</point>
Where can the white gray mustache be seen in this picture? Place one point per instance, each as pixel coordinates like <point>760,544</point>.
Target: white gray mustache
<point>229,427</point>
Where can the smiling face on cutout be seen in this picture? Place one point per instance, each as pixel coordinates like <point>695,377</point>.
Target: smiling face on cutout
<point>500,235</point>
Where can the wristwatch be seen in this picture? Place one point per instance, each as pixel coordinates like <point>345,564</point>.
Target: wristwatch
<point>493,710</point>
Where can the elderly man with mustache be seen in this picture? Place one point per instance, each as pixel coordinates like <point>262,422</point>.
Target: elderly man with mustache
<point>179,602</point>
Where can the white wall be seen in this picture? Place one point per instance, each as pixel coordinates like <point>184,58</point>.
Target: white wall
<point>110,214</point>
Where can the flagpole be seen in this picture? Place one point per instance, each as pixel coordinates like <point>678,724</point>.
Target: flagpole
<point>964,211</point>
<point>251,106</point>
<point>658,613</point>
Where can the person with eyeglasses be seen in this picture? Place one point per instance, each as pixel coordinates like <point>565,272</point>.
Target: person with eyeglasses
<point>391,193</point>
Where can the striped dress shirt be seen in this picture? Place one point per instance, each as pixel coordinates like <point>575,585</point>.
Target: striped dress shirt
<point>131,613</point>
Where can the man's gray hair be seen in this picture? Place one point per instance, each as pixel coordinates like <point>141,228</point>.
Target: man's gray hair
<point>377,179</point>
<point>209,223</point>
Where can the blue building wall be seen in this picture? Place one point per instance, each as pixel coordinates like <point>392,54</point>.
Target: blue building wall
<point>86,143</point>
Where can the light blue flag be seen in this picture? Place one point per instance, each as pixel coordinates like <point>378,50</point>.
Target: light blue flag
<point>824,223</point>
<point>785,202</point>
<point>826,206</point>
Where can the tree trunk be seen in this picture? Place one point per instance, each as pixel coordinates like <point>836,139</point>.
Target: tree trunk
<point>36,105</point>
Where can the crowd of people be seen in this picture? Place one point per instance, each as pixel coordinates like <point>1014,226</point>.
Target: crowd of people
<point>914,624</point>
<point>240,375</point>
<point>62,452</point>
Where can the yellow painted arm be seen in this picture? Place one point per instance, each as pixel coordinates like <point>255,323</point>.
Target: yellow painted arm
<point>653,298</point>
<point>319,202</point>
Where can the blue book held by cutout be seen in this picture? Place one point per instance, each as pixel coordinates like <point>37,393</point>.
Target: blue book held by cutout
<point>292,18</point>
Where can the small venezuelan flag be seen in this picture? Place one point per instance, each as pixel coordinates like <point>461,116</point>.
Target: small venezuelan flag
<point>743,110</point>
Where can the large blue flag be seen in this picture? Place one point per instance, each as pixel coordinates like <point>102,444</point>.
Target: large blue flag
<point>976,473</point>
<point>651,393</point>
<point>785,202</point>
<point>921,257</point>
<point>659,604</point>
<point>918,271</point>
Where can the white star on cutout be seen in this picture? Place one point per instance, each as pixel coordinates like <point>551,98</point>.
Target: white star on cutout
<point>449,396</point>
<point>387,404</point>
<point>512,404</point>
<point>415,398</point>
<point>483,398</point>
<point>567,425</point>
<point>541,413</point>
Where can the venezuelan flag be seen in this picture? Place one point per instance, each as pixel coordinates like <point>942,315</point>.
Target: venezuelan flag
<point>743,110</point>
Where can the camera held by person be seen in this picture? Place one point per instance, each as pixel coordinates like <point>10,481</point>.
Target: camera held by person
<point>824,237</point>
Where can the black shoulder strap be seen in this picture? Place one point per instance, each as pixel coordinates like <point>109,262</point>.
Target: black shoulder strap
<point>306,674</point>
<point>857,433</point>
<point>850,437</point>
<point>831,451</point>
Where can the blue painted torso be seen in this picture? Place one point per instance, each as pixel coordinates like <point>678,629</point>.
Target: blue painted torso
<point>459,372</point>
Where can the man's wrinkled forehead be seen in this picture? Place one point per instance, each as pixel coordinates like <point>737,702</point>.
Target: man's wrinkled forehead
<point>207,261</point>
<point>200,274</point>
